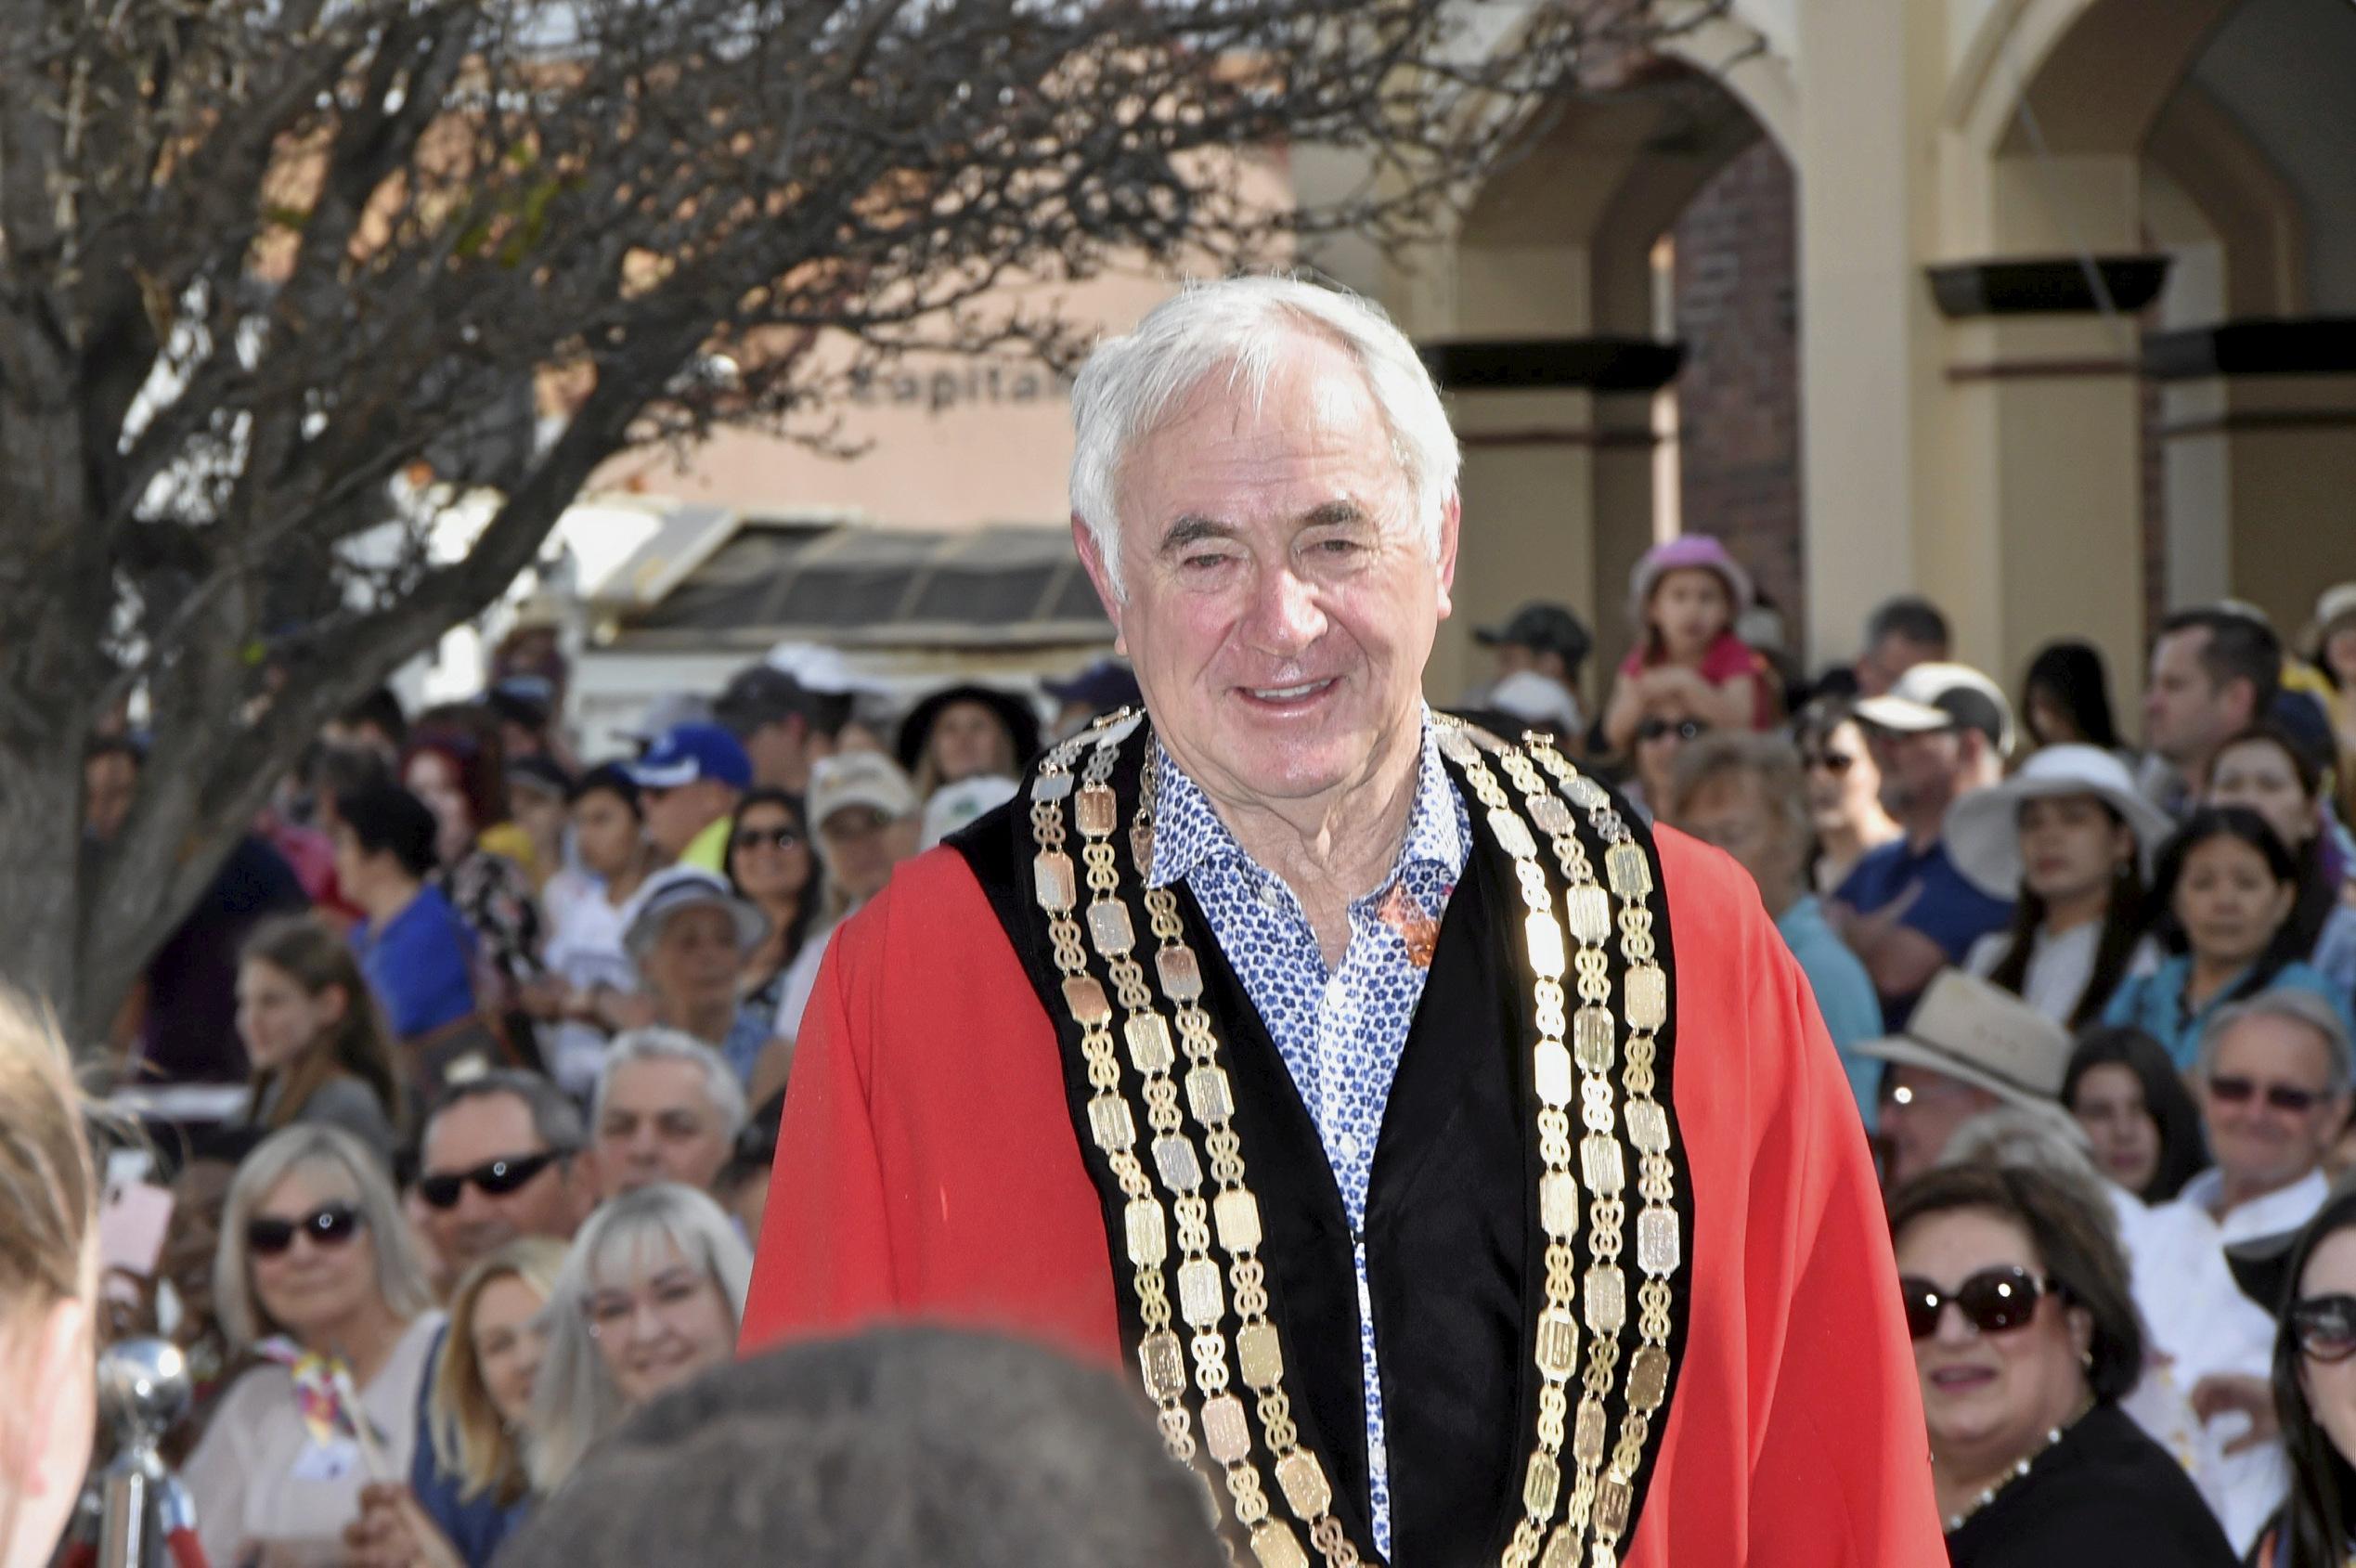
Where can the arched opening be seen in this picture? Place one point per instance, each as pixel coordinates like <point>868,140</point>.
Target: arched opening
<point>1638,251</point>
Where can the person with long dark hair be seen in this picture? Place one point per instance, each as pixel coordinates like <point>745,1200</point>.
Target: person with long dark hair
<point>2066,697</point>
<point>771,865</point>
<point>2315,1396</point>
<point>2026,1338</point>
<point>2138,1118</point>
<point>2067,838</point>
<point>2228,887</point>
<point>2267,770</point>
<point>321,1049</point>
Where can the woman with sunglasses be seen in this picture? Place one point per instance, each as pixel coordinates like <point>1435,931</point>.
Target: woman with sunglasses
<point>771,866</point>
<point>48,1277</point>
<point>652,1294</point>
<point>2315,1388</point>
<point>314,1263</point>
<point>1659,738</point>
<point>2025,1338</point>
<point>2229,886</point>
<point>1844,792</point>
<point>476,1404</point>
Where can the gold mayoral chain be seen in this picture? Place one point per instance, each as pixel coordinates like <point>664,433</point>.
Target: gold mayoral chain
<point>1598,1505</point>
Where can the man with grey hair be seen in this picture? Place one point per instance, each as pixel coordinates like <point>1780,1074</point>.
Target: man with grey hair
<point>1241,1050</point>
<point>2272,1083</point>
<point>668,1108</point>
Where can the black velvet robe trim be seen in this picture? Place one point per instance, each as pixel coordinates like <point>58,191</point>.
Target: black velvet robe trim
<point>1454,1254</point>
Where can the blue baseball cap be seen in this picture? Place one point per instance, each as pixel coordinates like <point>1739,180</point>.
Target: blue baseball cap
<point>685,753</point>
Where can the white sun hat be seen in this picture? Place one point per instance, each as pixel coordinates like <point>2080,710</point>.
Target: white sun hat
<point>1975,1033</point>
<point>1983,829</point>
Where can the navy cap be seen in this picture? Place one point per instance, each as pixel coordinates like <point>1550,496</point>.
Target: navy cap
<point>1103,686</point>
<point>685,753</point>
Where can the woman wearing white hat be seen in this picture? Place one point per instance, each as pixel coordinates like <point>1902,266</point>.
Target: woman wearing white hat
<point>2070,838</point>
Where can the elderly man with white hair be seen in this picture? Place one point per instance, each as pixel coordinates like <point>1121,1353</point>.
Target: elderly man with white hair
<point>668,1109</point>
<point>2272,1081</point>
<point>1459,1165</point>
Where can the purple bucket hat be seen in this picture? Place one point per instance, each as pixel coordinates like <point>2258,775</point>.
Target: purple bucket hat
<point>1684,553</point>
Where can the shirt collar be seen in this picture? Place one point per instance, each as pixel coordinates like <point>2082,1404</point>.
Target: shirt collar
<point>2285,1209</point>
<point>1188,833</point>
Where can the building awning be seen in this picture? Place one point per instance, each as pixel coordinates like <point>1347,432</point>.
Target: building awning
<point>731,580</point>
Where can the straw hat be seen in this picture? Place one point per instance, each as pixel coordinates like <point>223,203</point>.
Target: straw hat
<point>1983,829</point>
<point>1978,1034</point>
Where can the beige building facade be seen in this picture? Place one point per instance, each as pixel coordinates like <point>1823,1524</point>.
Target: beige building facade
<point>2065,267</point>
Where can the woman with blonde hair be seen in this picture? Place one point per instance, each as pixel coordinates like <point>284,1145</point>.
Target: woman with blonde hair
<point>652,1294</point>
<point>48,1199</point>
<point>468,1489</point>
<point>316,1272</point>
<point>320,1048</point>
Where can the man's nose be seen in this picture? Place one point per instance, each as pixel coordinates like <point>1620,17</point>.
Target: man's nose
<point>1285,617</point>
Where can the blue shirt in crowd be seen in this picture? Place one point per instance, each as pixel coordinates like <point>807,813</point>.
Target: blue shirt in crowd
<point>2154,1004</point>
<point>1843,994</point>
<point>1948,909</point>
<point>420,967</point>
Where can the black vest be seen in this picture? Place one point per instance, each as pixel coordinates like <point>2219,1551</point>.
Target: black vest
<point>1454,1256</point>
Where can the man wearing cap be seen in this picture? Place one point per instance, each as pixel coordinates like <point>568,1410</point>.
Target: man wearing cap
<point>1543,639</point>
<point>689,936</point>
<point>689,782</point>
<point>783,726</point>
<point>1966,1048</point>
<point>1457,1164</point>
<point>1941,732</point>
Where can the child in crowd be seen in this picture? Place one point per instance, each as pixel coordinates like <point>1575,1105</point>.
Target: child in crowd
<point>318,1048</point>
<point>1687,594</point>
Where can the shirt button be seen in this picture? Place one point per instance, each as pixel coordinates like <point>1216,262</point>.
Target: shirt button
<point>1269,896</point>
<point>1347,1145</point>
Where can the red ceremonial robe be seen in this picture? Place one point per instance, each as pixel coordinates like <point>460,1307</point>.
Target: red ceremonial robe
<point>928,1168</point>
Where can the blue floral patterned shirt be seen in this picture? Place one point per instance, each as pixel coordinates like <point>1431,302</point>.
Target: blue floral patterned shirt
<point>1341,1031</point>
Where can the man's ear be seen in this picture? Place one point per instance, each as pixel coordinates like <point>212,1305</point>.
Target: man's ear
<point>1091,560</point>
<point>1451,521</point>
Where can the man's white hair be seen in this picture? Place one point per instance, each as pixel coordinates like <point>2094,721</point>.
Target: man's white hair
<point>659,1045</point>
<point>1243,326</point>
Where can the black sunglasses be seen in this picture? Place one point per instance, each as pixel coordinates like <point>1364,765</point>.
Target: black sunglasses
<point>2279,1096</point>
<point>753,837</point>
<point>1684,729</point>
<point>2325,1327</point>
<point>1836,763</point>
<point>1991,1301</point>
<point>330,1224</point>
<point>494,1178</point>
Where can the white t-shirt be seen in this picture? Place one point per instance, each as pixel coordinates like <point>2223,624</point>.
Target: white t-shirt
<point>2059,967</point>
<point>260,1475</point>
<point>585,948</point>
<point>800,978</point>
<point>2201,1321</point>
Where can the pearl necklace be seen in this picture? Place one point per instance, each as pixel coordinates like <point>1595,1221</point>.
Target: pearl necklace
<point>2020,1468</point>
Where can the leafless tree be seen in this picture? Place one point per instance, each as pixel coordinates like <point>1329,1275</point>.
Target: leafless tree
<point>279,279</point>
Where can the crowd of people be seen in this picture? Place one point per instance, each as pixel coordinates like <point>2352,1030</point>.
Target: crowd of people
<point>513,1030</point>
<point>2095,1006</point>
